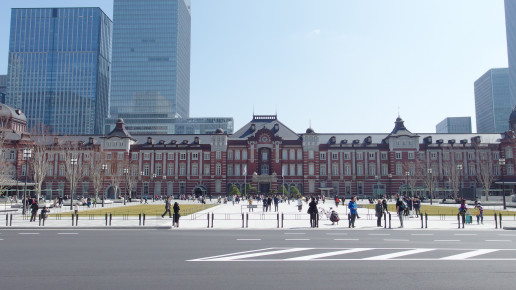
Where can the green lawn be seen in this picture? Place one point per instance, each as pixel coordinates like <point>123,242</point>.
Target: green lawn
<point>444,210</point>
<point>134,210</point>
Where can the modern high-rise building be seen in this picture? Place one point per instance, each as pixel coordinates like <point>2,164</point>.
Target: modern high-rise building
<point>510,26</point>
<point>493,102</point>
<point>454,125</point>
<point>3,88</point>
<point>59,68</point>
<point>151,63</point>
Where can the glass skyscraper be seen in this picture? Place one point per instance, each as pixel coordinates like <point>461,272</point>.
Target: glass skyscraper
<point>59,68</point>
<point>151,63</point>
<point>493,102</point>
<point>454,125</point>
<point>510,26</point>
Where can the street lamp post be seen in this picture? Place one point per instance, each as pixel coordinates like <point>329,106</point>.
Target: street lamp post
<point>103,167</point>
<point>126,173</point>
<point>459,168</point>
<point>165,184</point>
<point>390,185</point>
<point>27,153</point>
<point>154,183</point>
<point>141,176</point>
<point>429,170</point>
<point>73,162</point>
<point>375,192</point>
<point>407,174</point>
<point>501,162</point>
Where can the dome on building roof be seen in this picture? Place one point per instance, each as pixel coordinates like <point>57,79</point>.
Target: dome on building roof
<point>8,112</point>
<point>310,131</point>
<point>219,131</point>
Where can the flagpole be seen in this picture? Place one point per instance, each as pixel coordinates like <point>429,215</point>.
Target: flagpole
<point>245,181</point>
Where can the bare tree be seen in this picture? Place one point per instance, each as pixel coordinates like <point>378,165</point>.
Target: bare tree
<point>38,162</point>
<point>485,171</point>
<point>115,175</point>
<point>74,171</point>
<point>97,173</point>
<point>428,174</point>
<point>130,168</point>
<point>7,168</point>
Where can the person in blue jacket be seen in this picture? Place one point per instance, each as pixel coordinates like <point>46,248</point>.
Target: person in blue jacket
<point>352,205</point>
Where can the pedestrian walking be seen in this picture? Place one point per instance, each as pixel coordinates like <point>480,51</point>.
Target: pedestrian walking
<point>175,222</point>
<point>417,206</point>
<point>34,211</point>
<point>167,209</point>
<point>479,212</point>
<point>312,210</point>
<point>76,208</point>
<point>299,204</point>
<point>462,211</point>
<point>250,201</point>
<point>337,201</point>
<point>400,209</point>
<point>352,205</point>
<point>379,213</point>
<point>384,203</point>
<point>264,204</point>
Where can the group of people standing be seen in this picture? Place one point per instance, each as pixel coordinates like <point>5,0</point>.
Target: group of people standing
<point>176,209</point>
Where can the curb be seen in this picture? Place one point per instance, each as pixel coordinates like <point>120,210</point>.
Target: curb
<point>510,228</point>
<point>89,228</point>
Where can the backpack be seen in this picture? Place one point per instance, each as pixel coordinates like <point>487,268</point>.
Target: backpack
<point>403,205</point>
<point>334,217</point>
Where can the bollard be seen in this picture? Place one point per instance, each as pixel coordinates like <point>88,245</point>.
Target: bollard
<point>458,221</point>
<point>426,221</point>
<point>140,219</point>
<point>143,219</point>
<point>500,218</point>
<point>11,221</point>
<point>496,221</point>
<point>77,220</point>
<point>243,218</point>
<point>389,220</point>
<point>421,221</point>
<point>106,219</point>
<point>40,220</point>
<point>6,219</point>
<point>385,221</point>
<point>247,220</point>
<point>317,220</point>
<point>282,219</point>
<point>349,220</point>
<point>212,218</point>
<point>277,217</point>
<point>208,218</point>
<point>73,216</point>
<point>110,218</point>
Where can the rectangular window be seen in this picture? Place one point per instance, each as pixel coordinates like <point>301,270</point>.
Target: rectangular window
<point>292,170</point>
<point>218,155</point>
<point>206,155</point>
<point>360,188</point>
<point>384,156</point>
<point>134,156</point>
<point>230,170</point>
<point>284,170</point>
<point>170,156</point>
<point>347,169</point>
<point>360,155</point>
<point>458,155</point>
<point>411,155</point>
<point>311,155</point>
<point>120,156</point>
<point>146,169</point>
<point>159,156</point>
<point>322,155</point>
<point>206,171</point>
<point>182,170</point>
<point>496,156</point>
<point>284,154</point>
<point>471,156</point>
<point>230,154</point>
<point>158,169</point>
<point>218,169</point>
<point>108,156</point>
<point>244,154</point>
<point>372,170</point>
<point>300,170</point>
<point>335,169</point>
<point>347,156</point>
<point>372,155</point>
<point>195,169</point>
<point>360,169</point>
<point>322,170</point>
<point>311,169</point>
<point>61,170</point>
<point>182,156</point>
<point>195,156</point>
<point>50,171</point>
<point>334,156</point>
<point>292,154</point>
<point>237,154</point>
<point>446,156</point>
<point>385,170</point>
<point>399,169</point>
<point>146,156</point>
<point>398,155</point>
<point>299,154</point>
<point>170,170</point>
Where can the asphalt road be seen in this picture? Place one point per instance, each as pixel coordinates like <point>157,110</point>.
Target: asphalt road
<point>256,259</point>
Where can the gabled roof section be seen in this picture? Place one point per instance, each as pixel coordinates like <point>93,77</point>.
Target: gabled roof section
<point>119,131</point>
<point>268,122</point>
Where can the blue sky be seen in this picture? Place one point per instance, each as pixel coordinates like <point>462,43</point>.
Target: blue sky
<point>343,65</point>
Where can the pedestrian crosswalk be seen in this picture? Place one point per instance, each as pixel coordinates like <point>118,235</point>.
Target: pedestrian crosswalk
<point>364,254</point>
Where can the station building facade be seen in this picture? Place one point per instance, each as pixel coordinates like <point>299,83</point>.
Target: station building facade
<point>266,154</point>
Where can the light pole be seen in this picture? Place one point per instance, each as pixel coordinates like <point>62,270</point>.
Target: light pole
<point>141,177</point>
<point>103,167</point>
<point>501,162</point>
<point>73,162</point>
<point>375,191</point>
<point>27,153</point>
<point>154,183</point>
<point>390,185</point>
<point>429,170</point>
<point>407,174</point>
<point>165,184</point>
<point>126,173</point>
<point>459,169</point>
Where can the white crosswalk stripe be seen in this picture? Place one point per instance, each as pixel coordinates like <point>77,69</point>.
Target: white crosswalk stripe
<point>363,254</point>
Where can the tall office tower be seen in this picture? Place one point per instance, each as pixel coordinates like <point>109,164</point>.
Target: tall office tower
<point>454,125</point>
<point>510,27</point>
<point>59,60</point>
<point>493,102</point>
<point>3,88</point>
<point>151,63</point>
